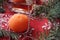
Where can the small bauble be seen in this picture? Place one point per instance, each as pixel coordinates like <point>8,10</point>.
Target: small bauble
<point>18,23</point>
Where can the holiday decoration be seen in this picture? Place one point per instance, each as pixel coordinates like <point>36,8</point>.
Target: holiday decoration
<point>41,23</point>
<point>18,23</point>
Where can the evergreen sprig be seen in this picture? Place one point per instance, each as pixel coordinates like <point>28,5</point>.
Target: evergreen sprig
<point>55,12</point>
<point>12,35</point>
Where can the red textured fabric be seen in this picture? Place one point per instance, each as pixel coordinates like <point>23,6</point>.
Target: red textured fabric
<point>40,26</point>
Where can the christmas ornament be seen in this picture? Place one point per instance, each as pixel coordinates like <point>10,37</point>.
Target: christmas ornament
<point>18,23</point>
